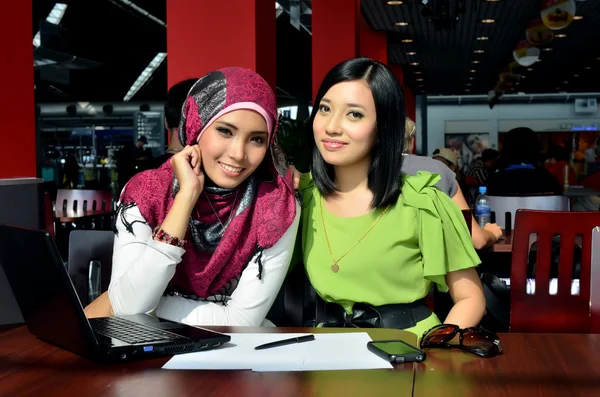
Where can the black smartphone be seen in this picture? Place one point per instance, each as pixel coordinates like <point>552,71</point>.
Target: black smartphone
<point>396,351</point>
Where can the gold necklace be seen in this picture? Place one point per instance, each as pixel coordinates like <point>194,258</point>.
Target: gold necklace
<point>335,267</point>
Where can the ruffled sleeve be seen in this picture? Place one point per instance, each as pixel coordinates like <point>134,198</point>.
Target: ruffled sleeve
<point>444,238</point>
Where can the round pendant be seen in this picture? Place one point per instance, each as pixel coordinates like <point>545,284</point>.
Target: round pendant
<point>335,268</point>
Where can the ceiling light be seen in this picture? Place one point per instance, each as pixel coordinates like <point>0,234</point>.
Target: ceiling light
<point>547,49</point>
<point>575,75</point>
<point>54,17</point>
<point>530,69</point>
<point>472,71</point>
<point>395,3</point>
<point>418,72</point>
<point>588,68</point>
<point>539,60</point>
<point>488,21</point>
<point>471,78</point>
<point>577,18</point>
<point>558,88</point>
<point>145,76</point>
<point>561,36</point>
<point>407,40</point>
<point>523,77</point>
<point>468,84</point>
<point>479,51</point>
<point>475,61</point>
<point>420,79</point>
<point>482,38</point>
<point>467,90</point>
<point>565,82</point>
<point>414,64</point>
<point>493,1</point>
<point>411,53</point>
<point>401,23</point>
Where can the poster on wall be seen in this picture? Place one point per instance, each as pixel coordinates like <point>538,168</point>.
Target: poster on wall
<point>468,147</point>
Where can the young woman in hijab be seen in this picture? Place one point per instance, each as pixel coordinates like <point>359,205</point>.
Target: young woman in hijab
<point>375,239</point>
<point>207,238</point>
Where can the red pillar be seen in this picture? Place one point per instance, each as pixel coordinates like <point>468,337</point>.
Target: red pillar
<point>205,35</point>
<point>17,109</point>
<point>335,26</point>
<point>372,43</point>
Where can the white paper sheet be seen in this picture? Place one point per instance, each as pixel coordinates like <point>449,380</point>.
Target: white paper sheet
<point>339,351</point>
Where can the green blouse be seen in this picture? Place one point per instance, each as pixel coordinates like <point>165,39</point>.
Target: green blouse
<point>418,241</point>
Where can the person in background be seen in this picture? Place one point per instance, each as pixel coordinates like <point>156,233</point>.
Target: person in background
<point>207,238</point>
<point>175,100</point>
<point>449,158</point>
<point>482,167</point>
<point>520,173</point>
<point>70,173</point>
<point>412,164</point>
<point>372,238</point>
<point>557,158</point>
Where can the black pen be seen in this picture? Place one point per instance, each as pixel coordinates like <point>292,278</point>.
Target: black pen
<point>284,342</point>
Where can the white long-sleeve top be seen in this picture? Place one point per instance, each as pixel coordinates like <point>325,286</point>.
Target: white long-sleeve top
<point>142,268</point>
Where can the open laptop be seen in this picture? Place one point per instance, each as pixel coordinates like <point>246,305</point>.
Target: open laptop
<point>53,312</point>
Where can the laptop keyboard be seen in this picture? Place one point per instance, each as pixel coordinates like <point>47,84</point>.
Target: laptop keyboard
<point>129,331</point>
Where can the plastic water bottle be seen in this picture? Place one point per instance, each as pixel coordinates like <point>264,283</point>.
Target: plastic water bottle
<point>482,207</point>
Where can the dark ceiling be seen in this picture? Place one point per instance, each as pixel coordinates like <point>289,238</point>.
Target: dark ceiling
<point>445,56</point>
<point>121,42</point>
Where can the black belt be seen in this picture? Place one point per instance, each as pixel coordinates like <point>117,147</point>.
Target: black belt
<point>399,316</point>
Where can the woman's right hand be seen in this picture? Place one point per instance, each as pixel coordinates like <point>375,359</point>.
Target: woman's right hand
<point>187,166</point>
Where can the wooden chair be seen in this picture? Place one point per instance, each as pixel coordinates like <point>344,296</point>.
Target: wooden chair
<point>504,208</point>
<point>83,200</point>
<point>542,312</point>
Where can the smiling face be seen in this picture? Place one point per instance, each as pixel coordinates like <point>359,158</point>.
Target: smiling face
<point>233,147</point>
<point>344,126</point>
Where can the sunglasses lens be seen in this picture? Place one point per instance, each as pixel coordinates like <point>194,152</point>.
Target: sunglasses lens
<point>438,335</point>
<point>482,342</point>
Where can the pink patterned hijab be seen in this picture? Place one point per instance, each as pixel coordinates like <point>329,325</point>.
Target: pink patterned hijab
<point>257,213</point>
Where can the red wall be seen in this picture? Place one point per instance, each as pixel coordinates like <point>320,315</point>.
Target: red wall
<point>17,108</point>
<point>373,43</point>
<point>334,36</point>
<point>205,35</point>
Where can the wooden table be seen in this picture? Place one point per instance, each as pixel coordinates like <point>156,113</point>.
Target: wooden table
<point>532,365</point>
<point>30,367</point>
<point>504,244</point>
<point>540,365</point>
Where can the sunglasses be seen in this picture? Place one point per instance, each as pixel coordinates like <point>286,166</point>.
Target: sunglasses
<point>478,341</point>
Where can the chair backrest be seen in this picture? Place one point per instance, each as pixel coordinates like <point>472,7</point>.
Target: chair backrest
<point>542,312</point>
<point>595,288</point>
<point>504,208</point>
<point>83,200</point>
<point>90,262</point>
<point>48,214</point>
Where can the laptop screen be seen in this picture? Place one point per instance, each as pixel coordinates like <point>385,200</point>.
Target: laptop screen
<point>43,290</point>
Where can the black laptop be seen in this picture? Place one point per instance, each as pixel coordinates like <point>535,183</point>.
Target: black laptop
<point>53,312</point>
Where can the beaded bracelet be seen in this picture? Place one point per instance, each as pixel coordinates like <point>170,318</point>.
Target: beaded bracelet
<point>160,235</point>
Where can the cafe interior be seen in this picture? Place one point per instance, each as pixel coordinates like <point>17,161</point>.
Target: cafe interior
<point>485,82</point>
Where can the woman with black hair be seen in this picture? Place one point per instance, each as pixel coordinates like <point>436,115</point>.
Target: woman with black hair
<point>374,239</point>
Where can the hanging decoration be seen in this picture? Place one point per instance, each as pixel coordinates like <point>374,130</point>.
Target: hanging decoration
<point>526,54</point>
<point>537,33</point>
<point>558,14</point>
